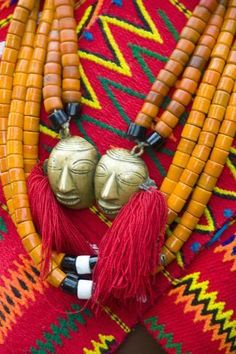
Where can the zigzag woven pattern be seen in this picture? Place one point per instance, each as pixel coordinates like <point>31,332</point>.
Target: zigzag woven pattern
<point>122,46</point>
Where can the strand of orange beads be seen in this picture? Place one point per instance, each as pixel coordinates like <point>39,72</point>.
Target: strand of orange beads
<point>15,162</point>
<point>196,120</point>
<point>209,156</point>
<point>62,92</point>
<point>12,111</point>
<point>191,34</point>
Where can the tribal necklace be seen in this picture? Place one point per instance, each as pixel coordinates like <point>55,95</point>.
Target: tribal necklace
<point>200,157</point>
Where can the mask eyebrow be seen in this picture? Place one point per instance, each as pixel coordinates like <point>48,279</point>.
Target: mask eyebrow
<point>82,161</point>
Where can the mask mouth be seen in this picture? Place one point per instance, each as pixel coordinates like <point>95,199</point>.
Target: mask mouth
<point>108,208</point>
<point>68,200</point>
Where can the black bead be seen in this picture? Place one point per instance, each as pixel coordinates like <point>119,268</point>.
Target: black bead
<point>136,132</point>
<point>155,140</point>
<point>68,263</point>
<point>58,118</point>
<point>92,261</point>
<point>73,109</point>
<point>70,283</point>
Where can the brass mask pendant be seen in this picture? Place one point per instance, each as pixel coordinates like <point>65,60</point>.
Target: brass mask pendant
<point>71,168</point>
<point>119,174</point>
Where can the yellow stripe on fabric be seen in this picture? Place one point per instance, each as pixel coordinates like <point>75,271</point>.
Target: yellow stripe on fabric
<point>5,21</point>
<point>117,319</point>
<point>102,346</point>
<point>83,20</point>
<point>181,8</point>
<point>49,132</point>
<point>210,222</point>
<point>102,217</point>
<point>94,103</point>
<point>225,192</point>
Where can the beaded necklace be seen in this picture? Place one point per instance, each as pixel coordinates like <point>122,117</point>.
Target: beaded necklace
<point>205,139</point>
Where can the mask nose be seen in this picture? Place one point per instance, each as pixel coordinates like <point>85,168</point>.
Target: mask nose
<point>65,183</point>
<point>109,190</point>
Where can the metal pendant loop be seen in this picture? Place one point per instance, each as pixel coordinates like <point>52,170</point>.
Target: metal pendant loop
<point>65,131</point>
<point>138,149</point>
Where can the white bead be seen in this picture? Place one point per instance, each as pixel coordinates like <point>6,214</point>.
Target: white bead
<point>84,289</point>
<point>82,265</point>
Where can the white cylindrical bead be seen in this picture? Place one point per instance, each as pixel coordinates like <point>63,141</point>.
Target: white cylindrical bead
<point>82,265</point>
<point>84,289</point>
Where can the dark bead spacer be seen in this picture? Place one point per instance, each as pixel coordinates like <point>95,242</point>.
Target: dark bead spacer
<point>93,261</point>
<point>136,132</point>
<point>155,140</point>
<point>70,283</point>
<point>58,118</point>
<point>73,109</point>
<point>68,263</point>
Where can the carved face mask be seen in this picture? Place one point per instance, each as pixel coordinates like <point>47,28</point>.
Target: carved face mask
<point>118,176</point>
<point>71,167</point>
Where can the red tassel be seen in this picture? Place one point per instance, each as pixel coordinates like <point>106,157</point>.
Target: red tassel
<point>130,250</point>
<point>50,218</point>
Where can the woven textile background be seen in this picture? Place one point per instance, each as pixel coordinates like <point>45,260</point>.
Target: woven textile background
<point>122,46</point>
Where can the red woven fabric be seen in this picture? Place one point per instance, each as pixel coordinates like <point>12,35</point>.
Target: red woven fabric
<point>123,47</point>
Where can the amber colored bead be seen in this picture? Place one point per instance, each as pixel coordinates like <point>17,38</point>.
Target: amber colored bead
<point>196,24</point>
<point>232,100</point>
<point>56,277</point>
<point>219,155</point>
<point>5,96</point>
<point>3,137</point>
<point>29,165</point>
<point>4,109</point>
<point>167,185</point>
<point>3,163</point>
<point>71,72</point>
<point>19,79</point>
<point>51,91</point>
<point>201,104</point>
<point>30,138</point>
<point>195,165</point>
<point>207,40</point>
<point>13,41</point>
<point>217,112</point>
<point>174,173</point>
<point>143,120</point>
<point>39,54</point>
<point>35,80</point>
<point>232,57</point>
<point>31,123</point>
<point>207,139</point>
<point>206,91</point>
<point>229,26</point>
<point>64,11</point>
<point>182,232</point>
<point>174,67</point>
<point>20,14</point>
<point>182,96</point>
<point>211,125</point>
<point>28,39</point>
<point>154,98</point>
<point>207,182</point>
<point>52,103</point>
<point>70,59</point>
<point>3,123</point>
<point>213,168</point>
<point>186,146</point>
<point>14,133</point>
<point>186,46</point>
<point>172,215</point>
<point>190,132</point>
<point>30,152</point>
<point>201,195</point>
<point>226,84</point>
<point>202,51</point>
<point>160,87</point>
<point>31,241</point>
<point>170,119</point>
<point>228,128</point>
<point>182,190</point>
<point>43,28</point>
<point>74,85</point>
<point>3,150</point>
<point>52,79</point>
<point>173,244</point>
<point>216,20</point>
<point>32,109</point>
<point>35,67</point>
<point>27,4</point>
<point>22,66</point>
<point>175,202</point>
<point>190,34</point>
<point>231,13</point>
<point>52,68</point>
<point>54,46</point>
<point>68,47</point>
<point>230,71</point>
<point>67,23</point>
<point>180,159</point>
<point>149,109</point>
<point>53,57</point>
<point>19,187</point>
<point>180,56</point>
<point>33,94</point>
<point>25,53</point>
<point>167,77</point>
<point>163,129</point>
<point>36,254</point>
<point>192,73</point>
<point>71,96</point>
<point>22,214</point>
<point>221,98</point>
<point>188,85</point>
<point>175,108</point>
<point>211,77</point>
<point>14,146</point>
<point>225,38</point>
<point>217,64</point>
<point>19,92</point>
<point>189,221</point>
<point>202,152</point>
<point>230,113</point>
<point>16,27</point>
<point>21,201</point>
<point>6,67</point>
<point>68,35</point>
<point>212,30</point>
<point>201,12</point>
<point>189,177</point>
<point>16,174</point>
<point>5,180</point>
<point>7,192</point>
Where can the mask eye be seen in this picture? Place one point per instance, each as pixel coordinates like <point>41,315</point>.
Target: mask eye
<point>82,167</point>
<point>131,178</point>
<point>101,171</point>
<point>53,164</point>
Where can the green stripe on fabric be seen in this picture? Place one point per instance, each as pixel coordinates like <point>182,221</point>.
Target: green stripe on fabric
<point>169,24</point>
